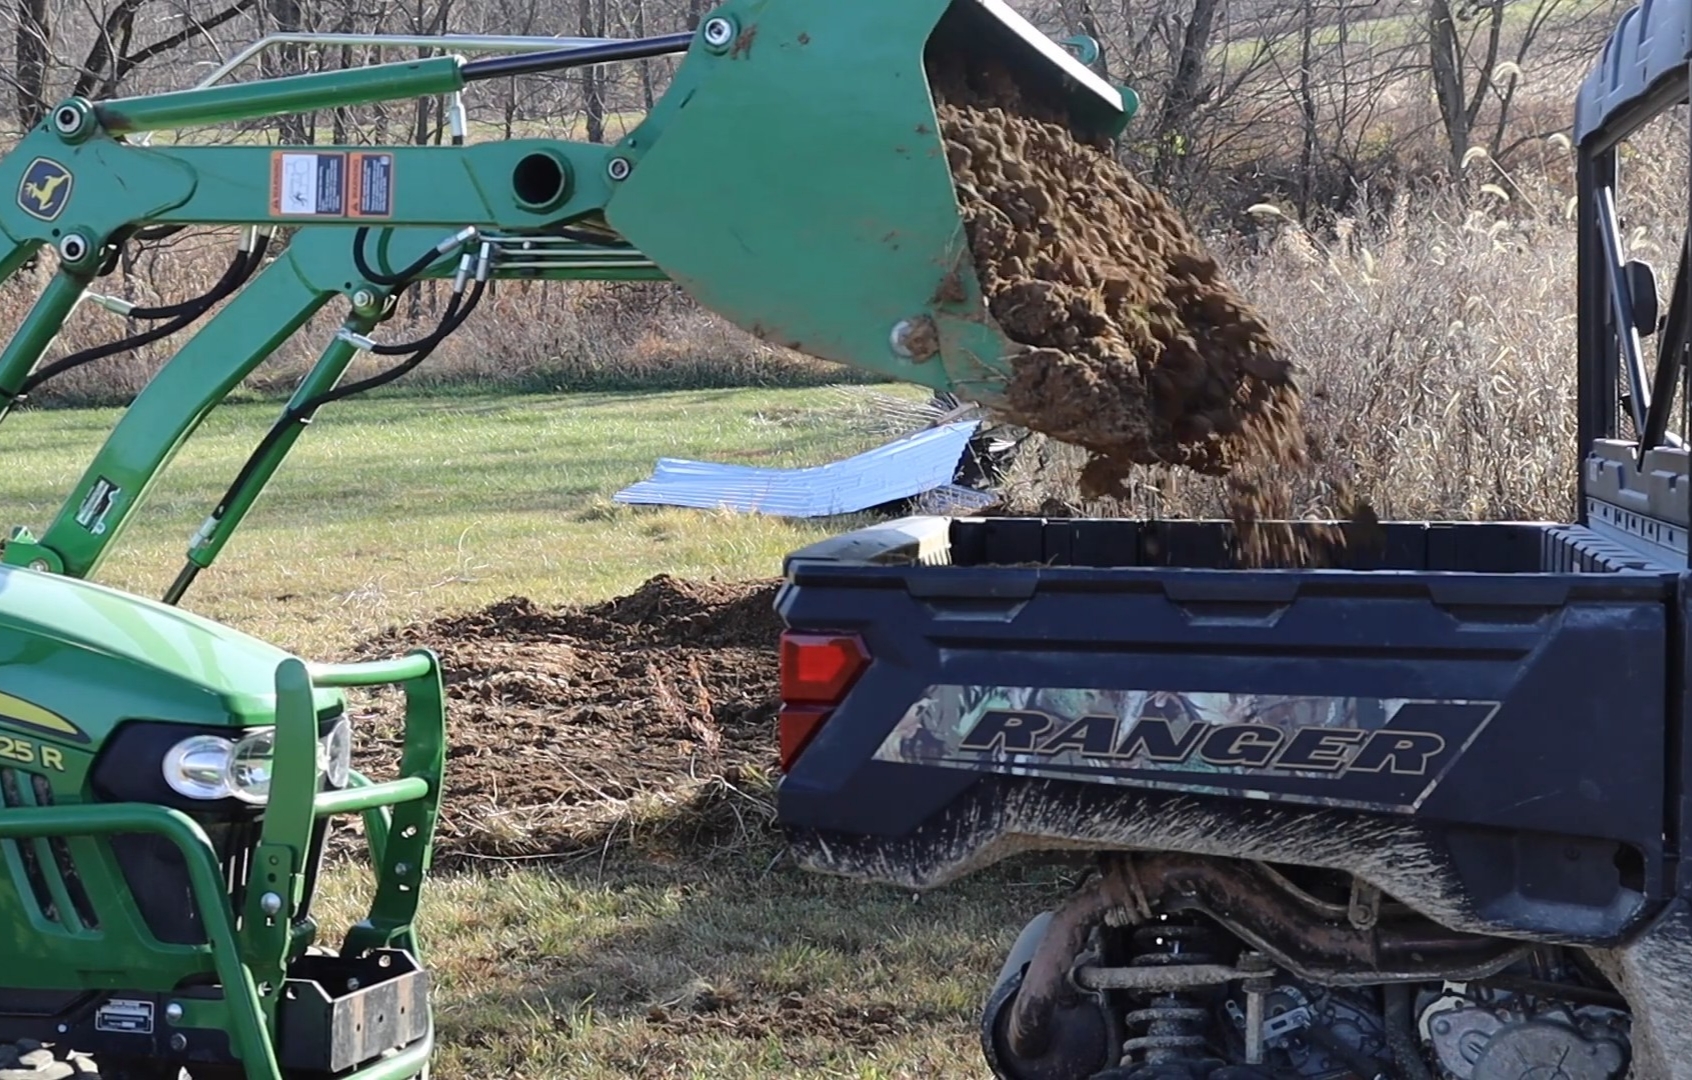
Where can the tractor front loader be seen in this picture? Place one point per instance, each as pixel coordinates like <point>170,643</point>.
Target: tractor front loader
<point>166,783</point>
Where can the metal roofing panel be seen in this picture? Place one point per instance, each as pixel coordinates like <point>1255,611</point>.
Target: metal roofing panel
<point>901,469</point>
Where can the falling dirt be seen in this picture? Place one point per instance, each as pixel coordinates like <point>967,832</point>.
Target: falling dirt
<point>1137,349</point>
<point>567,729</point>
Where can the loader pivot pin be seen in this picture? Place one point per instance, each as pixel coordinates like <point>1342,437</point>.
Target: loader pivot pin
<point>719,33</point>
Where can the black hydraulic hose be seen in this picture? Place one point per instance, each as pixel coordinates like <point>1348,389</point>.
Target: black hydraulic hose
<point>449,324</point>
<point>302,413</point>
<point>1401,1034</point>
<point>430,344</point>
<point>371,274</point>
<point>233,278</point>
<point>129,232</point>
<point>184,578</point>
<point>181,315</point>
<point>501,67</point>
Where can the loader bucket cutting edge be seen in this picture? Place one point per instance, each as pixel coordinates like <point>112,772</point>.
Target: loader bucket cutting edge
<point>794,180</point>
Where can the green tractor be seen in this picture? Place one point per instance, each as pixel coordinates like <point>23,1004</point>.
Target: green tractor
<point>167,785</point>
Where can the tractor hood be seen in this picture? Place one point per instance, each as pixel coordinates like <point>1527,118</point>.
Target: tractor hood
<point>78,658</point>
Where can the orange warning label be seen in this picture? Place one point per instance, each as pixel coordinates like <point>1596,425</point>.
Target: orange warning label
<point>311,184</point>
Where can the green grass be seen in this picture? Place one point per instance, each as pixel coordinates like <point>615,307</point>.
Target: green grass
<point>397,508</point>
<point>640,969</point>
<point>629,964</point>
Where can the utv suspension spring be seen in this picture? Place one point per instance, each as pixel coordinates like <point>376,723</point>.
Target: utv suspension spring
<point>1171,1026</point>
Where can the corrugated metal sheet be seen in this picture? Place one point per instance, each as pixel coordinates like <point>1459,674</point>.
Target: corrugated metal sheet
<point>899,470</point>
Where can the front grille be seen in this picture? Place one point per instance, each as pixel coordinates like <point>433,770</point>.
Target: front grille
<point>49,873</point>
<point>158,879</point>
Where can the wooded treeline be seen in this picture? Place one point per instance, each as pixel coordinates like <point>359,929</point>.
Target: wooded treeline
<point>1306,101</point>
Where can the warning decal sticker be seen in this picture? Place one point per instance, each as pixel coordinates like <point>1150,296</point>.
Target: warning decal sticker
<point>337,185</point>
<point>372,179</point>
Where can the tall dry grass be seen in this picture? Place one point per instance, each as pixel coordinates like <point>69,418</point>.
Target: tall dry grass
<point>525,336</point>
<point>1436,342</point>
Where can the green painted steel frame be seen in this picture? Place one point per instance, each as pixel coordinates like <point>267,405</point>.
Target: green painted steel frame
<point>251,962</point>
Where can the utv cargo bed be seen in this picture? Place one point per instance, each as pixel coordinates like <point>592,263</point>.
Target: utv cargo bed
<point>958,690</point>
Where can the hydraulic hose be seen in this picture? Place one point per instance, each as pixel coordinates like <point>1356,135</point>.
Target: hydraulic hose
<point>373,275</point>
<point>302,413</point>
<point>459,309</point>
<point>1401,1034</point>
<point>181,316</point>
<point>420,264</point>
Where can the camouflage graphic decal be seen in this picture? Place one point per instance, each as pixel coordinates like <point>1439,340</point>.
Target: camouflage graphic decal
<point>1370,753</point>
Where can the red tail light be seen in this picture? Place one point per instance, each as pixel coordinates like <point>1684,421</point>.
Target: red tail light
<point>798,728</point>
<point>817,670</point>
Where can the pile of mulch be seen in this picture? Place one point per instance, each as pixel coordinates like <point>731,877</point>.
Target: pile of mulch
<point>569,729</point>
<point>1135,346</point>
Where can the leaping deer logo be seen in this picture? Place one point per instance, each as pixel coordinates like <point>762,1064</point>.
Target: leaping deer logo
<point>45,189</point>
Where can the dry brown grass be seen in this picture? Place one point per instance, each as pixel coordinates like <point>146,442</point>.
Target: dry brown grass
<point>1436,341</point>
<point>525,337</point>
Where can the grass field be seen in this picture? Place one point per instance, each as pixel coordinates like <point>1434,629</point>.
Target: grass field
<point>630,963</point>
<point>395,508</point>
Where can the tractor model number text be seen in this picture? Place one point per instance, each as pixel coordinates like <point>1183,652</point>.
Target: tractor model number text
<point>25,752</point>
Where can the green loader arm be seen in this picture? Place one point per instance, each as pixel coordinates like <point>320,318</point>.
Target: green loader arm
<point>792,179</point>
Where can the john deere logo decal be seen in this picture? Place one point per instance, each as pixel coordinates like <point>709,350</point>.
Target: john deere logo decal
<point>45,189</point>
<point>16,712</point>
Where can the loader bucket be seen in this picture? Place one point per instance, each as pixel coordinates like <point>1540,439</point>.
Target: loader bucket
<point>795,179</point>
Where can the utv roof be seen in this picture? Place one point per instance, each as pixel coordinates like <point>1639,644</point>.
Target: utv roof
<point>1641,71</point>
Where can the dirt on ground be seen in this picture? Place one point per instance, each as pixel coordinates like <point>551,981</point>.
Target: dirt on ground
<point>652,715</point>
<point>1137,348</point>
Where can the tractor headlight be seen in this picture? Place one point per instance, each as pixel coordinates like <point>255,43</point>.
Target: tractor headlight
<point>211,767</point>
<point>250,763</point>
<point>195,767</point>
<point>334,754</point>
